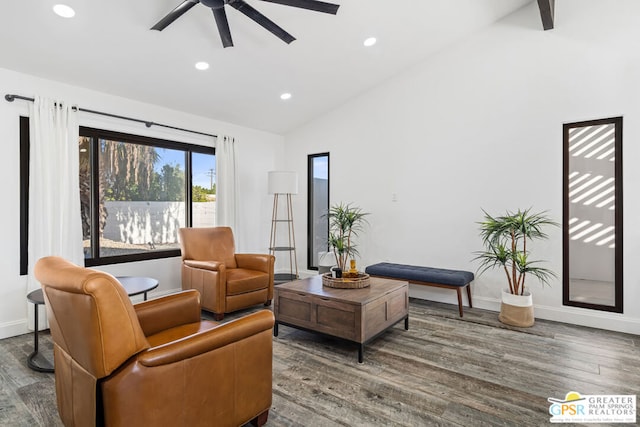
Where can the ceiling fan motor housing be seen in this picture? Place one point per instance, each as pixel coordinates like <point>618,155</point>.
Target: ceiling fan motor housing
<point>213,4</point>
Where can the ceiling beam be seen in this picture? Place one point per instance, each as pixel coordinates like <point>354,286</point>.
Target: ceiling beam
<point>546,13</point>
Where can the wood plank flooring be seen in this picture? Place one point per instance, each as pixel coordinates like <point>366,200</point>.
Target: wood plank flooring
<point>443,371</point>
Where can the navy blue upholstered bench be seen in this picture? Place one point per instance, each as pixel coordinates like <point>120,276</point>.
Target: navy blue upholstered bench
<point>427,276</point>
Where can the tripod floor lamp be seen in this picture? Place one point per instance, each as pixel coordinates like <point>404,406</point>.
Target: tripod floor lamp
<point>283,239</point>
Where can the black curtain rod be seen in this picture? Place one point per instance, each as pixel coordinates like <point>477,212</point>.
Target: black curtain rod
<point>11,98</point>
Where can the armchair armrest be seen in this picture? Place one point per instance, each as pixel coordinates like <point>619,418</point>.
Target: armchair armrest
<point>205,265</point>
<point>258,262</point>
<point>169,311</point>
<point>209,340</point>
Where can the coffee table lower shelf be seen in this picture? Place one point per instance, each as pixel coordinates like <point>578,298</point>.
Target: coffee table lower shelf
<point>360,344</point>
<point>354,315</point>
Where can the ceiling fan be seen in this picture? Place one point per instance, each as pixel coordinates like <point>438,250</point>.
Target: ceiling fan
<point>217,7</point>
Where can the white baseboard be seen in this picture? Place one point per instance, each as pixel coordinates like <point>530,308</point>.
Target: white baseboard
<point>591,318</point>
<point>14,328</point>
<point>307,273</point>
<point>21,326</point>
<point>572,315</point>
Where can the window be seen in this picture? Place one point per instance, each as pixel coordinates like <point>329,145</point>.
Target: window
<point>318,201</point>
<point>592,224</point>
<point>135,194</point>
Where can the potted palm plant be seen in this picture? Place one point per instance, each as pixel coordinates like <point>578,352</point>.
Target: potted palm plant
<point>505,239</point>
<point>345,222</point>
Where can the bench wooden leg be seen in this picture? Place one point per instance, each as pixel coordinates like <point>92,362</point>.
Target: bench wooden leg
<point>469,295</point>
<point>459,301</point>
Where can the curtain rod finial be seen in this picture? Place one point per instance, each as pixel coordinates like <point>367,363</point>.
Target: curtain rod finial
<point>9,97</point>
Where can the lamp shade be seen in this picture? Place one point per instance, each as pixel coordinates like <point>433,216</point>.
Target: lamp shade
<point>283,182</point>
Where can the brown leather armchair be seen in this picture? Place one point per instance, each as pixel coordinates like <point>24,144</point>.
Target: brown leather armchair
<point>152,363</point>
<point>227,281</point>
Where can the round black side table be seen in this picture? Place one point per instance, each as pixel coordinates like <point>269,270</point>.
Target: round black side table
<point>36,361</point>
<point>136,285</point>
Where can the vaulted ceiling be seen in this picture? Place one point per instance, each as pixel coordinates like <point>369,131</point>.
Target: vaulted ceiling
<point>108,46</point>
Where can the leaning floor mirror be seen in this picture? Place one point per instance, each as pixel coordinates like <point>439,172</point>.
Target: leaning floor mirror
<point>592,223</point>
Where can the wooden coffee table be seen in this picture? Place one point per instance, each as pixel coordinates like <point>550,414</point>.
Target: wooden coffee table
<point>356,315</point>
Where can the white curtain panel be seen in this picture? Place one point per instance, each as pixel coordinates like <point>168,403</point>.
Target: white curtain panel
<point>55,226</point>
<point>226,182</point>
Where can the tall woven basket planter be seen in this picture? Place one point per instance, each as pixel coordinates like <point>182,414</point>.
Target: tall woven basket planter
<point>517,310</point>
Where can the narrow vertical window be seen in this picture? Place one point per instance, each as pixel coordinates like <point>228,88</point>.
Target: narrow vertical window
<point>318,206</point>
<point>24,193</point>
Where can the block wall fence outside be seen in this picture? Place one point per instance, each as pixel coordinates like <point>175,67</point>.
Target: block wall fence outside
<point>156,222</point>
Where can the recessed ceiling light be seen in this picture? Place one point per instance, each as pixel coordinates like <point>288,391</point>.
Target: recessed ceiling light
<point>64,11</point>
<point>285,96</point>
<point>202,65</point>
<point>370,41</point>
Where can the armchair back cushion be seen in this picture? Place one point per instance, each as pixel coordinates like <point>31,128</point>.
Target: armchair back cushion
<point>101,329</point>
<point>209,244</point>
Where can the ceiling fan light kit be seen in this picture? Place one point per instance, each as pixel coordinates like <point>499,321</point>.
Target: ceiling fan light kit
<point>218,9</point>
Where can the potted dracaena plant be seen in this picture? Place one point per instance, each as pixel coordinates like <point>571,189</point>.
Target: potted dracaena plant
<point>345,222</point>
<point>505,239</point>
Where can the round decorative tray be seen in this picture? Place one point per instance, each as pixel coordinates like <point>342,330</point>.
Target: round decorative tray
<point>362,281</point>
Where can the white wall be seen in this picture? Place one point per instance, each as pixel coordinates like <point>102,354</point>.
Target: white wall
<point>258,152</point>
<point>479,126</point>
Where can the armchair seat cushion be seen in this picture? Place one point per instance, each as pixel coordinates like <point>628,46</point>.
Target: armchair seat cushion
<point>179,332</point>
<point>241,280</point>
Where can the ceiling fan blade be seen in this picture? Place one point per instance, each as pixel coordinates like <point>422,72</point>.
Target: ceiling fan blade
<point>223,26</point>
<point>175,14</point>
<point>262,20</point>
<point>318,6</point>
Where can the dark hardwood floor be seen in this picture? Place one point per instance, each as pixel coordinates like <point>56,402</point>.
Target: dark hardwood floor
<point>443,371</point>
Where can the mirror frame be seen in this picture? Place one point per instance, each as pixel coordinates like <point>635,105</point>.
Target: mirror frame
<point>618,304</point>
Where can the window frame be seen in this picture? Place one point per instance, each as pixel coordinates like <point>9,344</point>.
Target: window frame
<point>96,134</point>
<point>310,205</point>
<point>24,194</point>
